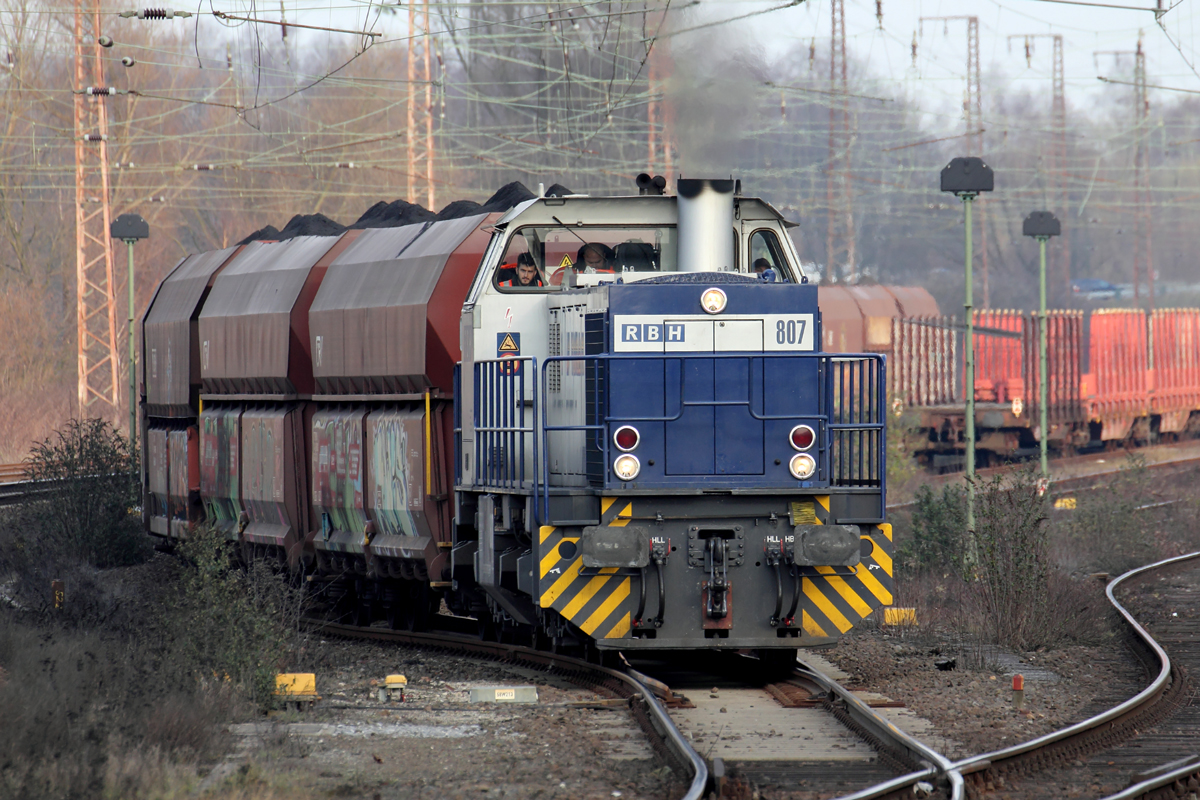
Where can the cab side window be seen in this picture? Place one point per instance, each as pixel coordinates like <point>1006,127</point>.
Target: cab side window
<point>766,253</point>
<point>519,269</point>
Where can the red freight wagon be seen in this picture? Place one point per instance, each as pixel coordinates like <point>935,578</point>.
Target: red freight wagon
<point>1175,368</point>
<point>1115,386</point>
<point>1064,349</point>
<point>999,375</point>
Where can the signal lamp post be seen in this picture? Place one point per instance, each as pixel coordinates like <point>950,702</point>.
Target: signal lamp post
<point>1041,225</point>
<point>966,177</point>
<point>129,228</point>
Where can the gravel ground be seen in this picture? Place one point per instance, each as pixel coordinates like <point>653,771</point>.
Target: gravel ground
<point>437,744</point>
<point>972,709</point>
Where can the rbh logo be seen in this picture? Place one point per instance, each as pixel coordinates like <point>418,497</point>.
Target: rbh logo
<point>652,332</point>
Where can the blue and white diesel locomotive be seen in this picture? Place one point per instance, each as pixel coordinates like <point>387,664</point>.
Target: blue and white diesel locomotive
<point>594,423</point>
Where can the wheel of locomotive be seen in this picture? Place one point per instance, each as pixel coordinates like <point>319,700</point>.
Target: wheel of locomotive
<point>567,645</point>
<point>777,663</point>
<point>487,626</point>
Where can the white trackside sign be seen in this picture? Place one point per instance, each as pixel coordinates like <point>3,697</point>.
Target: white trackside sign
<point>701,333</point>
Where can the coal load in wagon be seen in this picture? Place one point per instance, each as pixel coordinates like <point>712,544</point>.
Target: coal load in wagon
<point>393,215</point>
<point>507,196</point>
<point>401,212</point>
<point>268,233</point>
<point>311,225</point>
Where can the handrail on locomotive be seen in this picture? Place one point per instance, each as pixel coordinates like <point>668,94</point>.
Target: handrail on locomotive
<point>850,419</point>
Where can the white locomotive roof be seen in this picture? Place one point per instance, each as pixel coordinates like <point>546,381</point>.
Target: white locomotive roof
<point>636,209</point>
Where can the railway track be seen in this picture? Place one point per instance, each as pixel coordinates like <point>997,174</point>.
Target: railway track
<point>849,745</point>
<point>1148,746</point>
<point>799,735</point>
<point>1144,747</point>
<point>670,745</point>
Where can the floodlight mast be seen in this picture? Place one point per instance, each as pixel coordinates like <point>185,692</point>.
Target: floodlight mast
<point>129,228</point>
<point>1041,225</point>
<point>966,177</point>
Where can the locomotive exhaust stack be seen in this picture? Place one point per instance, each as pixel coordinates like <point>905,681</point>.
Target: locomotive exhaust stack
<point>705,225</point>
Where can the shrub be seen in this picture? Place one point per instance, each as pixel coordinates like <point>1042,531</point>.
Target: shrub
<point>939,521</point>
<point>1011,593</point>
<point>903,436</point>
<point>1106,531</point>
<point>232,622</point>
<point>1012,565</point>
<point>79,521</point>
<point>90,470</point>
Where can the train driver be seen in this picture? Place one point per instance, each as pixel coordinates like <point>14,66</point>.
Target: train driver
<point>527,276</point>
<point>595,257</point>
<point>764,270</point>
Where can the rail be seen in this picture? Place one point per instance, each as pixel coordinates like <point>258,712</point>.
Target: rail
<point>1144,699</point>
<point>678,747</point>
<point>1133,713</point>
<point>875,726</point>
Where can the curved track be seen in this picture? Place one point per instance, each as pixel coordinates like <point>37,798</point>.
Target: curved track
<point>1161,763</point>
<point>667,741</point>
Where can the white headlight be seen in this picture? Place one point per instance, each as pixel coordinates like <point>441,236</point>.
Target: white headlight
<point>802,466</point>
<point>627,467</point>
<point>713,300</point>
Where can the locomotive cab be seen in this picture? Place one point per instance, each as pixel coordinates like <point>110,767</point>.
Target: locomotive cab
<point>653,453</point>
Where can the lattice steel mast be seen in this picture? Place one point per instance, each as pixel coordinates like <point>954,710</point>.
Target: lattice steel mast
<point>839,231</point>
<point>973,117</point>
<point>420,142</point>
<point>1056,161</point>
<point>659,129</point>
<point>95,287</point>
<point>1143,255</point>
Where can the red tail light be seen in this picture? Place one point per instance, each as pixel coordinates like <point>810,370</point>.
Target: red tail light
<point>802,437</point>
<point>626,438</point>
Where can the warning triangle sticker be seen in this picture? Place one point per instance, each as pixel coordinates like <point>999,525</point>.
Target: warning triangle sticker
<point>566,262</point>
<point>508,345</point>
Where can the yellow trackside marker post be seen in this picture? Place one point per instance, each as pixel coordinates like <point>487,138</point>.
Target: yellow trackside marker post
<point>296,687</point>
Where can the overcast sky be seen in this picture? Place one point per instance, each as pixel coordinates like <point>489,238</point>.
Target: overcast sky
<point>937,81</point>
<point>938,78</point>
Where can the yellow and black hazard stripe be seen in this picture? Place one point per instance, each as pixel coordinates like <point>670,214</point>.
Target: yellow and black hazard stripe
<point>600,604</point>
<point>834,603</point>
